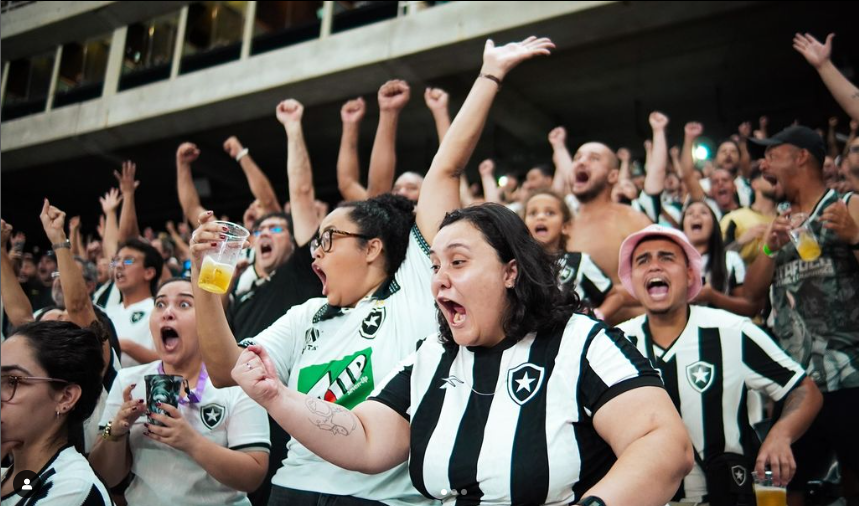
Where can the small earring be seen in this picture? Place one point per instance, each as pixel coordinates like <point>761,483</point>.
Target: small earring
<point>58,413</point>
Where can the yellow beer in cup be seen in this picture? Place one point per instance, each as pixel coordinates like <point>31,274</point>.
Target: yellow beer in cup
<point>807,247</point>
<point>219,263</point>
<point>770,496</point>
<point>215,276</point>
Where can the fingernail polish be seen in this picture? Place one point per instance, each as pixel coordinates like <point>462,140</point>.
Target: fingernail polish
<point>223,236</point>
<point>146,425</point>
<point>140,401</point>
<point>158,404</point>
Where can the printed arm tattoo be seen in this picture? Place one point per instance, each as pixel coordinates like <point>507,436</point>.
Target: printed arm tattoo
<point>330,417</point>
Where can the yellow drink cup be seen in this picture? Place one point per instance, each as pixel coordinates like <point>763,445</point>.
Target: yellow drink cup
<point>803,238</point>
<point>219,263</point>
<point>768,494</point>
<point>215,276</point>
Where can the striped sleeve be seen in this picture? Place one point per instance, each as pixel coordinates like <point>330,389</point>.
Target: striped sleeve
<point>770,369</point>
<point>594,282</point>
<point>650,205</point>
<point>611,365</point>
<point>395,390</point>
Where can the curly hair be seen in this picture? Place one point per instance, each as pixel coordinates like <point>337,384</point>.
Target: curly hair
<point>535,303</point>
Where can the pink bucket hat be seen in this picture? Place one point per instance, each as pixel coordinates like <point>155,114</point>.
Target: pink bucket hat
<point>624,269</point>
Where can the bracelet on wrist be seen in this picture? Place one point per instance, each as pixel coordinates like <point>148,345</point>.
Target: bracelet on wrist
<point>65,244</point>
<point>242,154</point>
<point>767,251</point>
<point>492,78</point>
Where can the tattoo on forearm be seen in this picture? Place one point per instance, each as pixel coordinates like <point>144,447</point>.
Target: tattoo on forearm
<point>855,95</point>
<point>331,418</point>
<point>794,400</point>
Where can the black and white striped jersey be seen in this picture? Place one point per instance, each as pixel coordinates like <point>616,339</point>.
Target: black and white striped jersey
<point>513,424</point>
<point>590,282</point>
<point>708,371</point>
<point>67,480</point>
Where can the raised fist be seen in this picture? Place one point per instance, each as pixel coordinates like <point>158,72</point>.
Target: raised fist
<point>658,121</point>
<point>233,147</point>
<point>289,112</point>
<point>623,155</point>
<point>486,167</point>
<point>187,153</point>
<point>558,136</point>
<point>693,129</point>
<point>353,111</point>
<point>394,95</point>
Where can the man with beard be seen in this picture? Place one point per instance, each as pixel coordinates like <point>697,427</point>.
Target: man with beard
<point>601,225</point>
<point>816,302</point>
<point>744,228</point>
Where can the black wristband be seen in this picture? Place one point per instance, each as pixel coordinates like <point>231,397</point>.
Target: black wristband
<point>591,500</point>
<point>492,78</point>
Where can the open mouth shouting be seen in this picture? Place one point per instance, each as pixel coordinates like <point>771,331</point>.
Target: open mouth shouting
<point>581,176</point>
<point>657,288</point>
<point>454,313</point>
<point>266,248</point>
<point>322,277</point>
<point>170,338</point>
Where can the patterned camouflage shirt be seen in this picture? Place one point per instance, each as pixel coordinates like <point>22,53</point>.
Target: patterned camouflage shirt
<point>816,306</point>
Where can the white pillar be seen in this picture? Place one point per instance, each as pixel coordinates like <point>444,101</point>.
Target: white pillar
<point>180,42</point>
<point>248,35</point>
<point>55,76</point>
<point>327,18</point>
<point>114,62</point>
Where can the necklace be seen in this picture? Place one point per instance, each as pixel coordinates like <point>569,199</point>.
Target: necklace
<point>514,350</point>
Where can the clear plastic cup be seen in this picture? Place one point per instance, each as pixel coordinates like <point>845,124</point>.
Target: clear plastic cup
<point>803,238</point>
<point>768,494</point>
<point>219,264</point>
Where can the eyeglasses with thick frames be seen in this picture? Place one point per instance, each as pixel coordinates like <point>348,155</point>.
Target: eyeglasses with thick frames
<point>325,240</point>
<point>9,384</point>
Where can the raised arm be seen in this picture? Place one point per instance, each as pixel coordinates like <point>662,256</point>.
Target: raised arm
<point>818,55</point>
<point>217,343</point>
<point>301,194</point>
<point>437,102</point>
<point>75,237</point>
<point>831,140</point>
<point>110,239</point>
<point>348,166</point>
<point>562,160</point>
<point>744,131</point>
<point>128,227</point>
<point>257,180</point>
<point>393,96</point>
<point>15,301</point>
<point>687,164</point>
<point>189,199</point>
<point>625,172</point>
<point>487,178</point>
<point>183,252</point>
<point>77,300</point>
<point>370,439</point>
<point>439,193</point>
<point>654,181</point>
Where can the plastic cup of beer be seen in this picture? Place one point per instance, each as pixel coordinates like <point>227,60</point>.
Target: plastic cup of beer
<point>803,237</point>
<point>219,264</point>
<point>768,494</point>
<point>161,389</point>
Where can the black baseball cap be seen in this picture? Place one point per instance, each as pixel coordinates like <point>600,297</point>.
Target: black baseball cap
<point>799,136</point>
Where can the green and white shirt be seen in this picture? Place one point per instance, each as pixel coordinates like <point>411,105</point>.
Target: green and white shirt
<point>340,355</point>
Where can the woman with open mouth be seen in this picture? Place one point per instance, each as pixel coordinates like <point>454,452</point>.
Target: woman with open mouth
<point>724,270</point>
<point>211,449</point>
<point>517,399</point>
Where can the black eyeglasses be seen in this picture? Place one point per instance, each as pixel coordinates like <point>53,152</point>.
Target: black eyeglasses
<point>324,241</point>
<point>9,384</point>
<point>854,149</point>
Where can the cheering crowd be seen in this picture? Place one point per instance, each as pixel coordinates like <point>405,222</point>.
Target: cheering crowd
<point>596,332</point>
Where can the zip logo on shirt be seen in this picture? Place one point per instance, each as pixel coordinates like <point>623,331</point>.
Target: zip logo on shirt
<point>347,382</point>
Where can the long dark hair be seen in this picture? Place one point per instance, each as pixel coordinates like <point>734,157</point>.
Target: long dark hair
<point>716,265</point>
<point>535,303</point>
<point>388,217</point>
<point>71,353</point>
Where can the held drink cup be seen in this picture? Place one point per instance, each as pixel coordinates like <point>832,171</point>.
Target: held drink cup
<point>803,237</point>
<point>768,494</point>
<point>219,263</point>
<point>163,388</point>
